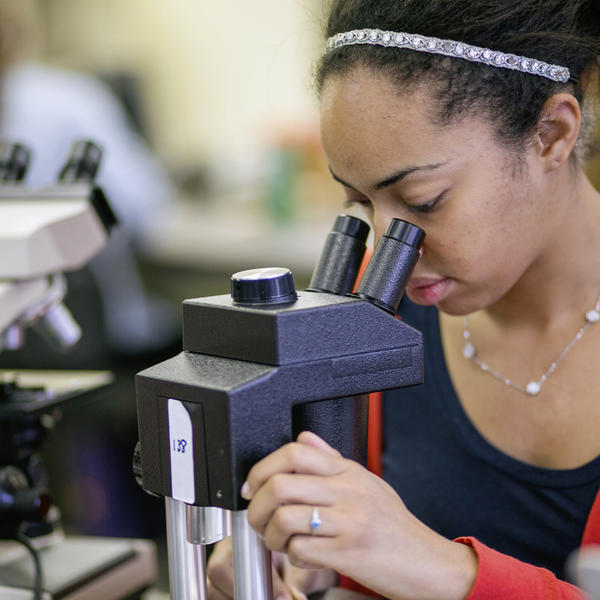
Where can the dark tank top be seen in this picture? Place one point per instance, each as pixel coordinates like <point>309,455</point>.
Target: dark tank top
<point>455,481</point>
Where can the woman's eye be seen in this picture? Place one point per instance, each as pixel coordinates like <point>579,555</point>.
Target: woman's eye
<point>357,201</point>
<point>427,207</point>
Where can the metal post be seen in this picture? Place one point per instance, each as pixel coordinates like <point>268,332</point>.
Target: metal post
<point>187,562</point>
<point>252,579</point>
<point>207,524</point>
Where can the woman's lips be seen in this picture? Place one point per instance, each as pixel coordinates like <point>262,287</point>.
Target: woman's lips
<point>428,291</point>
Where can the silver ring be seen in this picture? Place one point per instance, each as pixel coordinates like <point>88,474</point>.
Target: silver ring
<point>315,520</point>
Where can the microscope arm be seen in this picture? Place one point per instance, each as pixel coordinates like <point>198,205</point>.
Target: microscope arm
<point>44,233</point>
<point>57,229</point>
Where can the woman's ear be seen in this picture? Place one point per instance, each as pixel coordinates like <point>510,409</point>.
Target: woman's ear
<point>557,129</point>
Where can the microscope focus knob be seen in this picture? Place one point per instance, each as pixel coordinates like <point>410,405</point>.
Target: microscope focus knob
<point>268,285</point>
<point>138,471</point>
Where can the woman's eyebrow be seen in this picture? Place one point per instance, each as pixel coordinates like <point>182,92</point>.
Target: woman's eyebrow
<point>400,175</point>
<point>395,178</point>
<point>336,178</point>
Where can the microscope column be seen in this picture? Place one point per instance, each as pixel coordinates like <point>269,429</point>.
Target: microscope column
<point>252,579</point>
<point>207,524</point>
<point>187,562</point>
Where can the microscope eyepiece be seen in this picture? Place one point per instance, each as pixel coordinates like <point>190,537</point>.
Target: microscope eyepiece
<point>14,160</point>
<point>83,162</point>
<point>351,226</point>
<point>405,232</point>
<point>391,265</point>
<point>268,285</point>
<point>341,258</point>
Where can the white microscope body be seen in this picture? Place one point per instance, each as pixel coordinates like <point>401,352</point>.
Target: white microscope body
<point>44,233</point>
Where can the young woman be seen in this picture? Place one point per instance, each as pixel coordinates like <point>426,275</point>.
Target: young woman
<point>469,119</point>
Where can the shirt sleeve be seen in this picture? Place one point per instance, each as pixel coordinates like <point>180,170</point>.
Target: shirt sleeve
<point>502,577</point>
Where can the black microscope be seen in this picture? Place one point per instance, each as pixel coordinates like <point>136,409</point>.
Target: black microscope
<point>259,366</point>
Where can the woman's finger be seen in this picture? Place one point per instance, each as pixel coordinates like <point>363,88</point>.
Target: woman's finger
<point>312,439</point>
<point>292,458</point>
<point>220,575</point>
<point>295,520</point>
<point>220,569</point>
<point>284,489</point>
<point>311,551</point>
<point>280,590</point>
<point>308,581</point>
<point>213,593</point>
<point>297,594</point>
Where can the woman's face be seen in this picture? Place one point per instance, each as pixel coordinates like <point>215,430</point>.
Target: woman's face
<point>485,215</point>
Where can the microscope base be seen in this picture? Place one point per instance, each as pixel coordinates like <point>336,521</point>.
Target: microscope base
<point>80,568</point>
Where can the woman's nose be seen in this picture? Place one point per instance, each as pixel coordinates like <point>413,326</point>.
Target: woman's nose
<point>381,220</point>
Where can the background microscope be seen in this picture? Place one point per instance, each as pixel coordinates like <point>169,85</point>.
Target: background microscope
<point>44,233</point>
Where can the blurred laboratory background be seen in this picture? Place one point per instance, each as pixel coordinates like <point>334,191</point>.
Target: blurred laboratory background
<point>212,163</point>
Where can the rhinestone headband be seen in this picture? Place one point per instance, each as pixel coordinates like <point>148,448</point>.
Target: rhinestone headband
<point>432,45</point>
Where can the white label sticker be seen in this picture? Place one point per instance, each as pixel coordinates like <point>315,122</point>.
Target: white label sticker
<point>181,452</point>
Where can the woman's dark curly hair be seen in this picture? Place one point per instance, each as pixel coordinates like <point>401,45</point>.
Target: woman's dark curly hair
<point>562,32</point>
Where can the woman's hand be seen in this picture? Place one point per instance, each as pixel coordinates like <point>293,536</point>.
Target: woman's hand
<point>366,532</point>
<point>289,582</point>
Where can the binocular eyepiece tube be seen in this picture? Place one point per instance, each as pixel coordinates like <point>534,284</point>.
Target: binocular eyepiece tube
<point>342,255</point>
<point>391,265</point>
<point>382,284</point>
<point>388,271</point>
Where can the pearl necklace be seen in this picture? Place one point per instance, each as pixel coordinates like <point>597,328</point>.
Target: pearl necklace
<point>533,388</point>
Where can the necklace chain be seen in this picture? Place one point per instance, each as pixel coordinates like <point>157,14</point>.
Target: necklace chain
<point>534,387</point>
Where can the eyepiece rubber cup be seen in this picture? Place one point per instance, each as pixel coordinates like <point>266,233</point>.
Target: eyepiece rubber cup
<point>351,226</point>
<point>405,232</point>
